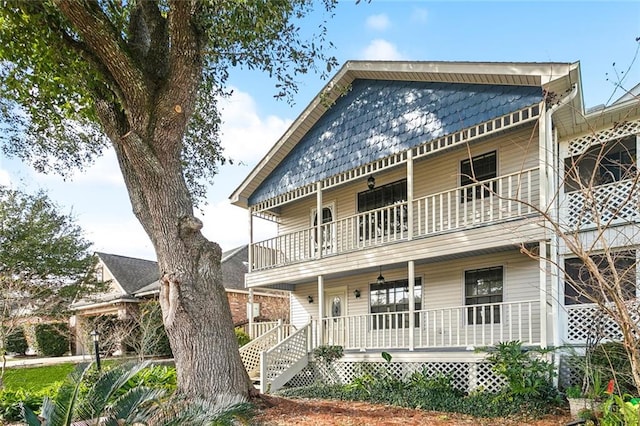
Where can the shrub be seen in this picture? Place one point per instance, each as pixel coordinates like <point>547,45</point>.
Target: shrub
<point>11,401</point>
<point>53,339</point>
<point>243,338</point>
<point>610,361</point>
<point>17,342</point>
<point>525,370</point>
<point>328,353</point>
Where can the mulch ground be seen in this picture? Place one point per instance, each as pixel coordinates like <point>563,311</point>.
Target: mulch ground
<point>278,411</point>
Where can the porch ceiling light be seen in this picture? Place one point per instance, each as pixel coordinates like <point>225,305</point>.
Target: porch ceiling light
<point>371,182</point>
<point>356,293</point>
<point>380,279</point>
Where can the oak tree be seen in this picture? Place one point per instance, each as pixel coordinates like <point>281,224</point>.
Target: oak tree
<point>143,76</point>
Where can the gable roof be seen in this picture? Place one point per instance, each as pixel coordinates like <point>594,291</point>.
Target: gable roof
<point>378,118</point>
<point>140,277</point>
<point>129,272</point>
<point>356,88</point>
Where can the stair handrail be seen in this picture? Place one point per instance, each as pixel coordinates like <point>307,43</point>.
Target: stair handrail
<point>296,348</point>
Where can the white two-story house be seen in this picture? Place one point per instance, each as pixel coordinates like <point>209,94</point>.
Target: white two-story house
<point>413,203</point>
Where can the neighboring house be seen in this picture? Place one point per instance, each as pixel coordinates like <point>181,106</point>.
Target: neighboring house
<point>133,280</point>
<point>426,175</point>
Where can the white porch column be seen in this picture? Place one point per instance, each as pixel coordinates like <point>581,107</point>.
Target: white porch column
<point>250,313</point>
<point>543,293</point>
<point>412,305</point>
<point>320,309</point>
<point>410,193</point>
<point>318,229</point>
<point>250,248</point>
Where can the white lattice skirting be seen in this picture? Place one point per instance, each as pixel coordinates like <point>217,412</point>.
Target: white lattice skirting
<point>466,376</point>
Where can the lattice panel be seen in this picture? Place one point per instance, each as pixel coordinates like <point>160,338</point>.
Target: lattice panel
<point>570,373</point>
<point>590,321</point>
<point>580,145</point>
<point>250,353</point>
<point>466,376</point>
<point>616,201</point>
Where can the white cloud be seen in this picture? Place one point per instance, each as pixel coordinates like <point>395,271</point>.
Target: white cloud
<point>228,225</point>
<point>419,15</point>
<point>245,135</point>
<point>380,49</point>
<point>124,237</point>
<point>4,178</point>
<point>378,22</point>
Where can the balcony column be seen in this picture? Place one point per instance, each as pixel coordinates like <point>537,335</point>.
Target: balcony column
<point>542,259</point>
<point>320,310</point>
<point>318,229</point>
<point>412,305</point>
<point>410,195</point>
<point>250,249</point>
<point>250,313</point>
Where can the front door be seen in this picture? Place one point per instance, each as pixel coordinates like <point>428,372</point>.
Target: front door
<point>335,310</point>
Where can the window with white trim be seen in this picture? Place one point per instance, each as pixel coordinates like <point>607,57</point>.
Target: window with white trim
<point>477,169</point>
<point>393,296</point>
<point>483,287</point>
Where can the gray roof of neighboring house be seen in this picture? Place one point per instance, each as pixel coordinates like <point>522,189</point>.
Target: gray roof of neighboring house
<point>131,273</point>
<point>377,118</point>
<point>139,277</point>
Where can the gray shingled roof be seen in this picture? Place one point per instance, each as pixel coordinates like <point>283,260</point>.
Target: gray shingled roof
<point>378,118</point>
<point>132,274</point>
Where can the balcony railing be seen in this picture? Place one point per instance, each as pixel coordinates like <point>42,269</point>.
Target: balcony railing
<point>460,326</point>
<point>603,204</point>
<point>502,198</point>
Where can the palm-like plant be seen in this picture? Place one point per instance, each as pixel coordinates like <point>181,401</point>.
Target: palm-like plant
<point>109,401</point>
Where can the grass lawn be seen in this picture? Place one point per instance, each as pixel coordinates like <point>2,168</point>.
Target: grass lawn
<point>36,378</point>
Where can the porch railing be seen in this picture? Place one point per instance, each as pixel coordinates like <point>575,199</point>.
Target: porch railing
<point>454,327</point>
<point>589,322</point>
<point>488,201</point>
<point>491,200</point>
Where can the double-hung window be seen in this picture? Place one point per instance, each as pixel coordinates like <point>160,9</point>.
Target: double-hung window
<point>393,296</point>
<point>476,170</point>
<point>483,287</point>
<point>581,284</point>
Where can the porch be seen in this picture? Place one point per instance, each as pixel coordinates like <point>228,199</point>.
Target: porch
<point>491,201</point>
<point>458,327</point>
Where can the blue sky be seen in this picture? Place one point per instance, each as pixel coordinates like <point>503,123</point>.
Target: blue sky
<point>598,34</point>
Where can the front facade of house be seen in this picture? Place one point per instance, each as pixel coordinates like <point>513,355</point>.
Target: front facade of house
<point>438,184</point>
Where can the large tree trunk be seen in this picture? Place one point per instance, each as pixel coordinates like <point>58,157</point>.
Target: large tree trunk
<point>144,110</point>
<point>194,303</point>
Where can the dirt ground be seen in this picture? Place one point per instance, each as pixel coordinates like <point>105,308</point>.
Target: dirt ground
<point>279,411</point>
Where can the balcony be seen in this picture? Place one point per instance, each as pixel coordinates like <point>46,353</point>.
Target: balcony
<point>487,202</point>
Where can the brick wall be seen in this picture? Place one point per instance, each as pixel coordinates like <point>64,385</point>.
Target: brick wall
<point>271,307</point>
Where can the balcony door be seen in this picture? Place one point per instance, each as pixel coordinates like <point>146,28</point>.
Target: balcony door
<point>328,232</point>
<point>335,311</point>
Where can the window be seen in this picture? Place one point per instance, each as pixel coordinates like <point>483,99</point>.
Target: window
<point>580,285</point>
<point>393,296</point>
<point>602,164</point>
<point>380,223</point>
<point>99,274</point>
<point>483,287</point>
<point>477,169</point>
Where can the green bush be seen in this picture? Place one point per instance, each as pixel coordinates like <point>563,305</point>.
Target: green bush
<point>17,342</point>
<point>11,401</point>
<point>610,361</point>
<point>53,339</point>
<point>328,353</point>
<point>243,338</point>
<point>525,370</point>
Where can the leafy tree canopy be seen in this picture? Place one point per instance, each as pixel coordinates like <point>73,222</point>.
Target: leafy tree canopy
<point>52,79</point>
<point>44,259</point>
